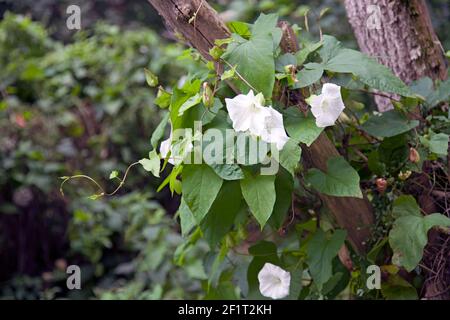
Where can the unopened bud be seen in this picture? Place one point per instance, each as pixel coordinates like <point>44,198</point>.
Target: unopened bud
<point>207,95</point>
<point>381,185</point>
<point>414,156</point>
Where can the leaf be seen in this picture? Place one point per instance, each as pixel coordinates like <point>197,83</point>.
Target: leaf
<point>374,163</point>
<point>151,78</point>
<point>259,193</point>
<point>152,164</point>
<point>163,97</point>
<point>179,97</point>
<point>439,143</point>
<point>397,288</point>
<point>311,73</point>
<point>255,63</point>
<point>368,70</point>
<point>263,252</point>
<point>341,180</point>
<point>441,94</point>
<point>404,206</point>
<point>320,253</point>
<point>300,127</point>
<point>287,59</point>
<point>215,264</point>
<point>323,12</point>
<point>408,236</point>
<point>191,102</point>
<point>284,186</point>
<point>159,131</point>
<point>290,156</point>
<point>388,124</point>
<point>215,151</point>
<point>94,197</point>
<point>222,214</point>
<point>113,174</point>
<point>228,171</point>
<point>393,151</point>
<point>292,263</point>
<point>303,54</point>
<point>215,52</point>
<point>422,87</point>
<point>171,179</point>
<point>240,28</point>
<point>187,220</point>
<point>253,58</point>
<point>265,24</point>
<point>200,188</point>
<point>228,74</point>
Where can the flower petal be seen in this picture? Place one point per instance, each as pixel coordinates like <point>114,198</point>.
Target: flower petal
<point>328,106</point>
<point>274,131</point>
<point>331,90</point>
<point>274,282</point>
<point>164,148</point>
<point>247,113</point>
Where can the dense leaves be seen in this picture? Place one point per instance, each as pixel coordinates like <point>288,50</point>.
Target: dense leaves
<point>340,180</point>
<point>408,236</point>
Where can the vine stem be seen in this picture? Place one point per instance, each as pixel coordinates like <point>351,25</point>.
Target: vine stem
<point>122,182</point>
<point>101,189</point>
<point>239,75</point>
<point>80,176</point>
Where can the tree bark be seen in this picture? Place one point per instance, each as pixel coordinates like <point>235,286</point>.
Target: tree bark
<point>200,25</point>
<point>400,35</point>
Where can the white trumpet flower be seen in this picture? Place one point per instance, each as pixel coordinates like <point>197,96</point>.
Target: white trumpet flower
<point>327,106</point>
<point>247,113</point>
<point>274,129</point>
<point>274,282</point>
<point>178,151</point>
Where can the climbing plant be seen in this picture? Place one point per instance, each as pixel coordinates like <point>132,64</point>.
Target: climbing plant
<point>232,145</point>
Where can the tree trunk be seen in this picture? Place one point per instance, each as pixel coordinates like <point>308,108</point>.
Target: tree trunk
<point>400,35</point>
<point>200,25</point>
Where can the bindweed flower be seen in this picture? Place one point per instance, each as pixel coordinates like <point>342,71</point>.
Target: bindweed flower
<point>274,129</point>
<point>414,155</point>
<point>274,282</point>
<point>247,113</point>
<point>164,149</point>
<point>178,150</point>
<point>327,106</point>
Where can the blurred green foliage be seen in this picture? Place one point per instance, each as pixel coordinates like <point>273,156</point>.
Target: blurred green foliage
<point>83,107</point>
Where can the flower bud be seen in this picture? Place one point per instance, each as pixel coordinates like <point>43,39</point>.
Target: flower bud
<point>207,95</point>
<point>381,185</point>
<point>414,156</point>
